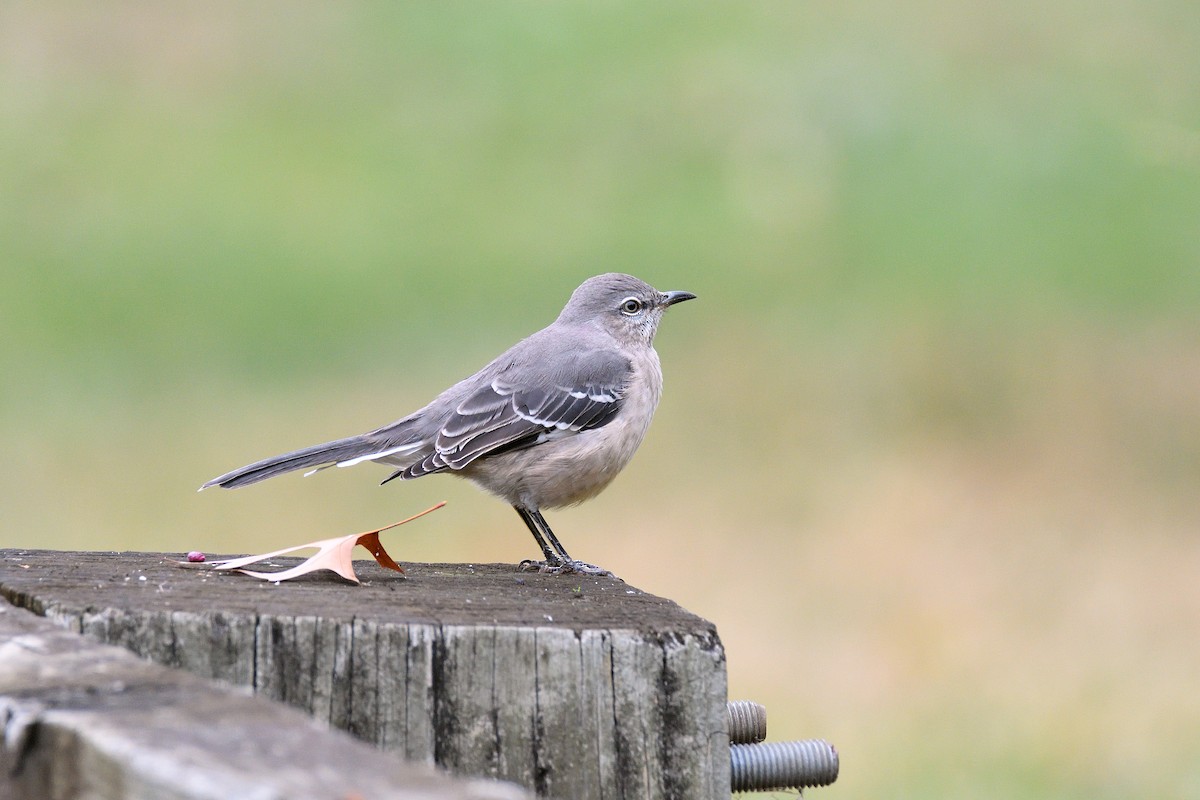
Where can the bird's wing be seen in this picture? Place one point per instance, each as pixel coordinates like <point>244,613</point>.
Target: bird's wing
<point>509,412</point>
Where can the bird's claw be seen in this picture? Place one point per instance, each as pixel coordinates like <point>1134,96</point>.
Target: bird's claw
<point>569,567</point>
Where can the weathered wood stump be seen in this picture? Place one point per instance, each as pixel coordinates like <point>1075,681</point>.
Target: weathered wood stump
<point>576,686</point>
<point>85,720</point>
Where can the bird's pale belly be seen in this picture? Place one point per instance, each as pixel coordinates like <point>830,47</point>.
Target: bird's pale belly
<point>557,473</point>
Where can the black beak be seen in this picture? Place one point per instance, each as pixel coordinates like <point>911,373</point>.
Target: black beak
<point>671,298</point>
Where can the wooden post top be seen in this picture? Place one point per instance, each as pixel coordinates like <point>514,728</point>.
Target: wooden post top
<point>574,686</point>
<point>439,594</point>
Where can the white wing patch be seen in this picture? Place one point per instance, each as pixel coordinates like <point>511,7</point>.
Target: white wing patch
<point>602,397</point>
<point>403,448</point>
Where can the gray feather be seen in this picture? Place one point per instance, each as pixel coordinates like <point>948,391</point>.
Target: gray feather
<point>314,456</point>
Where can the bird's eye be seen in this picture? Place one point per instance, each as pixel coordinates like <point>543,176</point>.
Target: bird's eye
<point>631,306</point>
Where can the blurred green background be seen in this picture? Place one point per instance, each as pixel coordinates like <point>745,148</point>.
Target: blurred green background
<point>930,446</point>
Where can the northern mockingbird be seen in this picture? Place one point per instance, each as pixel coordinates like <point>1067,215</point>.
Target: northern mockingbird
<point>549,423</point>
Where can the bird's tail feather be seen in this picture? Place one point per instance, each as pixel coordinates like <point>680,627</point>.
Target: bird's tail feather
<point>340,450</point>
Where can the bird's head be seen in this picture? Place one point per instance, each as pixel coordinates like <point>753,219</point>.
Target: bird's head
<point>623,305</point>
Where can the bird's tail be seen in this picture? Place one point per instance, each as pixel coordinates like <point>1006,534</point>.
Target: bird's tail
<point>342,452</point>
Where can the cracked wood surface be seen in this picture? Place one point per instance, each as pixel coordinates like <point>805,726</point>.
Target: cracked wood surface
<point>574,686</point>
<point>82,719</point>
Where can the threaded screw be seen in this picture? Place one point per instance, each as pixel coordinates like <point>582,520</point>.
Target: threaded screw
<point>782,765</point>
<point>747,721</point>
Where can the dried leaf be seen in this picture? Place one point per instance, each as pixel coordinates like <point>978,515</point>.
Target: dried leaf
<point>333,554</point>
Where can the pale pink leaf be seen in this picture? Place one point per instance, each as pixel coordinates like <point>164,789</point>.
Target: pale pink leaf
<point>333,554</point>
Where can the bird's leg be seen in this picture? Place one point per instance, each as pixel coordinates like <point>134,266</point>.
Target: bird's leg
<point>550,537</point>
<point>558,560</point>
<point>527,517</point>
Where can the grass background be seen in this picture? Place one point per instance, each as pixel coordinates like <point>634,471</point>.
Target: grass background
<point>930,447</point>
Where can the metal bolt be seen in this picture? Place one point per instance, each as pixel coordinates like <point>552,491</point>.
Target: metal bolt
<point>782,765</point>
<point>747,721</point>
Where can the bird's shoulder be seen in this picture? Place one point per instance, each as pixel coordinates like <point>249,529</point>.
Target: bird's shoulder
<point>564,379</point>
<point>566,358</point>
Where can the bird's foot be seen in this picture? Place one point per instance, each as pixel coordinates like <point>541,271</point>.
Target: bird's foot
<point>569,567</point>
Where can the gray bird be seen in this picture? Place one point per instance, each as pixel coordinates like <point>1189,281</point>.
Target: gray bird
<point>547,424</point>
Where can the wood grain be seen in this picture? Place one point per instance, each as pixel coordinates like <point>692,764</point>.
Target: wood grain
<point>574,686</point>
